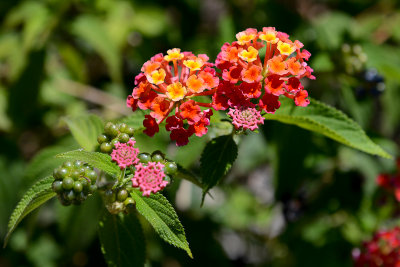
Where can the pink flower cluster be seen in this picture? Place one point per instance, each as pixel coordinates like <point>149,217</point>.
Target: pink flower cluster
<point>246,118</point>
<point>149,178</point>
<point>382,250</point>
<point>125,155</point>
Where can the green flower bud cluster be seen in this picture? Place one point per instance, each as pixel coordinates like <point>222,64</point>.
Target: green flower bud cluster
<point>114,133</point>
<point>74,182</point>
<point>118,200</point>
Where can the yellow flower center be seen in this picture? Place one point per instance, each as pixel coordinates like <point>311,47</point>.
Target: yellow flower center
<point>195,84</point>
<point>157,77</point>
<point>193,64</point>
<point>244,38</point>
<point>174,54</point>
<point>269,37</point>
<point>249,55</point>
<point>176,91</point>
<point>285,48</point>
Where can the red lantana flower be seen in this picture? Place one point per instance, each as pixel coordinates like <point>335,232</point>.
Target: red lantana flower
<point>250,81</point>
<point>382,250</point>
<point>167,86</point>
<point>391,182</point>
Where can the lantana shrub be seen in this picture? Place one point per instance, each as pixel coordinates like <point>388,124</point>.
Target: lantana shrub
<point>258,77</point>
<point>382,250</point>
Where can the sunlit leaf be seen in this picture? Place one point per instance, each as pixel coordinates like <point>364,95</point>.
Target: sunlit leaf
<point>326,120</point>
<point>85,130</point>
<point>162,216</point>
<point>97,160</point>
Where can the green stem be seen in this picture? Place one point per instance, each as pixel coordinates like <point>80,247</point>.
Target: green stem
<point>120,179</point>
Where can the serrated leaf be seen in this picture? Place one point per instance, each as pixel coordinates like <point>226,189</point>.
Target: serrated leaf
<point>217,158</point>
<point>97,160</point>
<point>85,130</point>
<point>161,215</point>
<point>326,120</point>
<point>37,195</point>
<point>122,240</point>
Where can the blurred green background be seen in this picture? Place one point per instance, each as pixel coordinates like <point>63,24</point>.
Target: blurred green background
<point>293,198</point>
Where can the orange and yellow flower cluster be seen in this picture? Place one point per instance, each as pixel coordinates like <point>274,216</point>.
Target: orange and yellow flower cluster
<point>249,81</point>
<point>169,86</point>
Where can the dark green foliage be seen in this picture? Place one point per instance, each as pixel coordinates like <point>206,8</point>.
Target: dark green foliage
<point>122,240</point>
<point>216,160</point>
<point>23,101</point>
<point>38,194</point>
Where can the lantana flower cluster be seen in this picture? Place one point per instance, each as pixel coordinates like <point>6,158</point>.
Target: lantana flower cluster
<point>148,177</point>
<point>391,182</point>
<point>125,155</point>
<point>248,78</point>
<point>246,118</point>
<point>382,250</point>
<point>249,81</point>
<point>167,86</point>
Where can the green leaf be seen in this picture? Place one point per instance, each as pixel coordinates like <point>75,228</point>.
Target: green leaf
<point>92,30</point>
<point>85,130</point>
<point>26,89</point>
<point>78,224</point>
<point>97,160</point>
<point>187,175</point>
<point>36,19</point>
<point>122,240</point>
<point>326,120</point>
<point>45,162</point>
<point>217,158</point>
<point>151,21</point>
<point>162,216</point>
<point>37,195</point>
